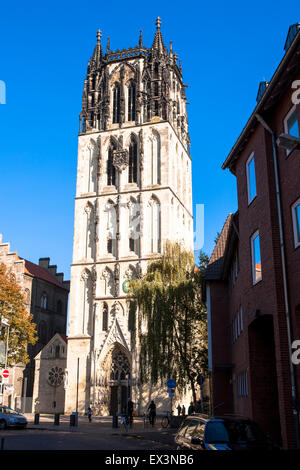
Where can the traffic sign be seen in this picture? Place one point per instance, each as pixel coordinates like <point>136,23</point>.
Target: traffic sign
<point>5,380</point>
<point>5,373</point>
<point>171,383</point>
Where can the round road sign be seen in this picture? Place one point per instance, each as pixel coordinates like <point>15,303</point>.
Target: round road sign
<point>171,383</point>
<point>5,373</point>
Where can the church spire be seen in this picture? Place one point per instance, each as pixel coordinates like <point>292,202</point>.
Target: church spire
<point>141,39</point>
<point>158,43</point>
<point>97,56</point>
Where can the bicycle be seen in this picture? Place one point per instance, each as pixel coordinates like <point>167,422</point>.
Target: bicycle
<point>166,420</point>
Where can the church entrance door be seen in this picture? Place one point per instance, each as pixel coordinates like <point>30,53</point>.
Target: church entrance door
<point>113,400</point>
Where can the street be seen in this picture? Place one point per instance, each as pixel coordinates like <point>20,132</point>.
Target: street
<point>98,435</point>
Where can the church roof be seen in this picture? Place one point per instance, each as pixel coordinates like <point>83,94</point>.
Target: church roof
<point>216,262</point>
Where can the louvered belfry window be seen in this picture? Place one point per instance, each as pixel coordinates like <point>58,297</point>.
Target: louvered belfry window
<point>116,103</point>
<point>132,170</point>
<point>131,101</point>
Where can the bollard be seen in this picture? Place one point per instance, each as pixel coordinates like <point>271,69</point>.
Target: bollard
<point>36,418</point>
<point>74,419</point>
<point>56,419</point>
<point>115,421</point>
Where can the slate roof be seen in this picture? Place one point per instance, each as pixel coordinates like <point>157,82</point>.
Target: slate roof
<point>215,265</point>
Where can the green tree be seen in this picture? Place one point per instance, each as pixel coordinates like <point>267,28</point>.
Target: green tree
<point>168,318</point>
<point>12,307</point>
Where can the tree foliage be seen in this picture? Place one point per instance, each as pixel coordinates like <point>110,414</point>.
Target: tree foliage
<point>12,307</point>
<point>168,318</point>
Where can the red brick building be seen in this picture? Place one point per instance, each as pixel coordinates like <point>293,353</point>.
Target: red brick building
<point>253,277</point>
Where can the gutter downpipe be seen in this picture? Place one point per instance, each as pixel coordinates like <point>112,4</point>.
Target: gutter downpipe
<point>285,288</point>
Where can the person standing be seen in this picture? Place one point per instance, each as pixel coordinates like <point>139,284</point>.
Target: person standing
<point>191,408</point>
<point>152,412</point>
<point>130,411</point>
<point>179,409</point>
<point>183,410</point>
<point>89,413</point>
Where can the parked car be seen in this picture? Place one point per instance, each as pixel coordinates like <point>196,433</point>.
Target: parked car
<point>10,418</point>
<point>200,432</point>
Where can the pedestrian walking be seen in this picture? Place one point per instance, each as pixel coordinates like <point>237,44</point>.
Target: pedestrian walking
<point>179,409</point>
<point>183,410</point>
<point>191,408</point>
<point>89,413</point>
<point>152,412</point>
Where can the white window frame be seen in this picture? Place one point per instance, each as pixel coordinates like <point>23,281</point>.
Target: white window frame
<point>285,124</point>
<point>295,224</point>
<point>252,157</point>
<point>254,236</point>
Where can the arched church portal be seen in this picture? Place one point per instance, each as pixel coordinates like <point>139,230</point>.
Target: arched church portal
<point>119,380</point>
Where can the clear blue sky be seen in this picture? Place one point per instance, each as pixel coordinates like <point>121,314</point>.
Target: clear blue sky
<point>226,49</point>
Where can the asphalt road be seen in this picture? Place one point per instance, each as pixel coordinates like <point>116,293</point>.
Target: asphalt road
<point>29,439</point>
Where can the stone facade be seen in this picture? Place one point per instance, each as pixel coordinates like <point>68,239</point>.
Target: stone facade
<point>133,193</point>
<point>46,295</point>
<point>49,379</point>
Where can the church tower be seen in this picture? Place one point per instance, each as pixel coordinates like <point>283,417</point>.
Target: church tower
<point>133,193</point>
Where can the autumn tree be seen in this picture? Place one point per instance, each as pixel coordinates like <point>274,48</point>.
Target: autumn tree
<point>168,319</point>
<point>12,308</point>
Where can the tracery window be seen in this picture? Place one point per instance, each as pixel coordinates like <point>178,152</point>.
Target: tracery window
<point>56,376</point>
<point>120,367</point>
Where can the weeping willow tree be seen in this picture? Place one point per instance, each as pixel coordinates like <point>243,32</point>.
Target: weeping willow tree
<point>168,319</point>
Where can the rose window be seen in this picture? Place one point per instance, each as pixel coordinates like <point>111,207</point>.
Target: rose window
<point>56,376</point>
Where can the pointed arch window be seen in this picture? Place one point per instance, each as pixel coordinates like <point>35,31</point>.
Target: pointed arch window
<point>116,103</point>
<point>131,100</point>
<point>111,228</point>
<point>147,108</point>
<point>134,226</point>
<point>111,171</point>
<point>86,296</point>
<point>155,159</point>
<point>108,279</point>
<point>105,317</point>
<point>133,161</point>
<point>44,301</point>
<point>155,225</point>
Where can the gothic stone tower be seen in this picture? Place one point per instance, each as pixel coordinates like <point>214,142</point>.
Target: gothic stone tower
<point>133,193</point>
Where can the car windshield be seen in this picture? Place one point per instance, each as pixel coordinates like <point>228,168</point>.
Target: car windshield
<point>234,432</point>
<point>8,411</point>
